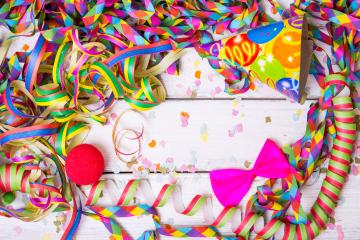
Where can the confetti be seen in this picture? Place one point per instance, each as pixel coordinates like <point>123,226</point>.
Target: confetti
<point>152,143</point>
<point>297,114</point>
<point>184,118</point>
<point>218,90</point>
<point>169,164</point>
<point>354,170</point>
<point>331,226</point>
<point>59,222</point>
<point>191,93</point>
<point>235,112</point>
<point>46,236</point>
<point>197,63</point>
<point>25,47</point>
<point>187,168</point>
<point>113,116</point>
<point>247,164</point>
<point>238,128</point>
<point>357,148</point>
<point>146,163</point>
<point>197,83</point>
<point>235,107</point>
<point>340,232</point>
<point>267,119</point>
<point>198,74</point>
<point>211,77</point>
<point>235,103</point>
<point>204,133</point>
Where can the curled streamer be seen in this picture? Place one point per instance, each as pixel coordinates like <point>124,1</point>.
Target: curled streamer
<point>90,53</point>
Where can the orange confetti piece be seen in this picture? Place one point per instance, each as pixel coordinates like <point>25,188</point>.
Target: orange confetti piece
<point>198,74</point>
<point>25,47</point>
<point>152,143</point>
<point>185,115</point>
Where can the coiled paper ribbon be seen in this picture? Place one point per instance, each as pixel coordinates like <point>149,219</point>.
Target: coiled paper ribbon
<point>90,53</point>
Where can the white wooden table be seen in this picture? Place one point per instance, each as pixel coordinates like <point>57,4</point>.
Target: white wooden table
<point>221,131</point>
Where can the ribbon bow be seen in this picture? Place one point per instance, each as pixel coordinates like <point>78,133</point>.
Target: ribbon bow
<point>231,185</point>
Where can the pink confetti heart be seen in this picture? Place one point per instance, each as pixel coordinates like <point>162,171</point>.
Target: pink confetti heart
<point>179,85</point>
<point>197,83</point>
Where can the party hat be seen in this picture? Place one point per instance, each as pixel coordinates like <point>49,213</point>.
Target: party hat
<point>277,54</point>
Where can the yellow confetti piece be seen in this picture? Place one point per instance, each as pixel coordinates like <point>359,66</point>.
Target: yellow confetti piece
<point>235,103</point>
<point>46,236</point>
<point>197,63</point>
<point>204,133</point>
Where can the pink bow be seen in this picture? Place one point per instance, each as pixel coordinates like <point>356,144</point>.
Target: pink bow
<point>231,185</point>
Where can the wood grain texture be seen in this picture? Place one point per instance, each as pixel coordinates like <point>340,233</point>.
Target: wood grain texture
<point>221,133</point>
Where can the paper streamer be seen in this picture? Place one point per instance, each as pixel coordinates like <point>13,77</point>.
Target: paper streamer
<point>90,53</point>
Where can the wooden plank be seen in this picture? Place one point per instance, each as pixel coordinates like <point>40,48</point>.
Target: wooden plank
<point>221,133</point>
<point>347,214</point>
